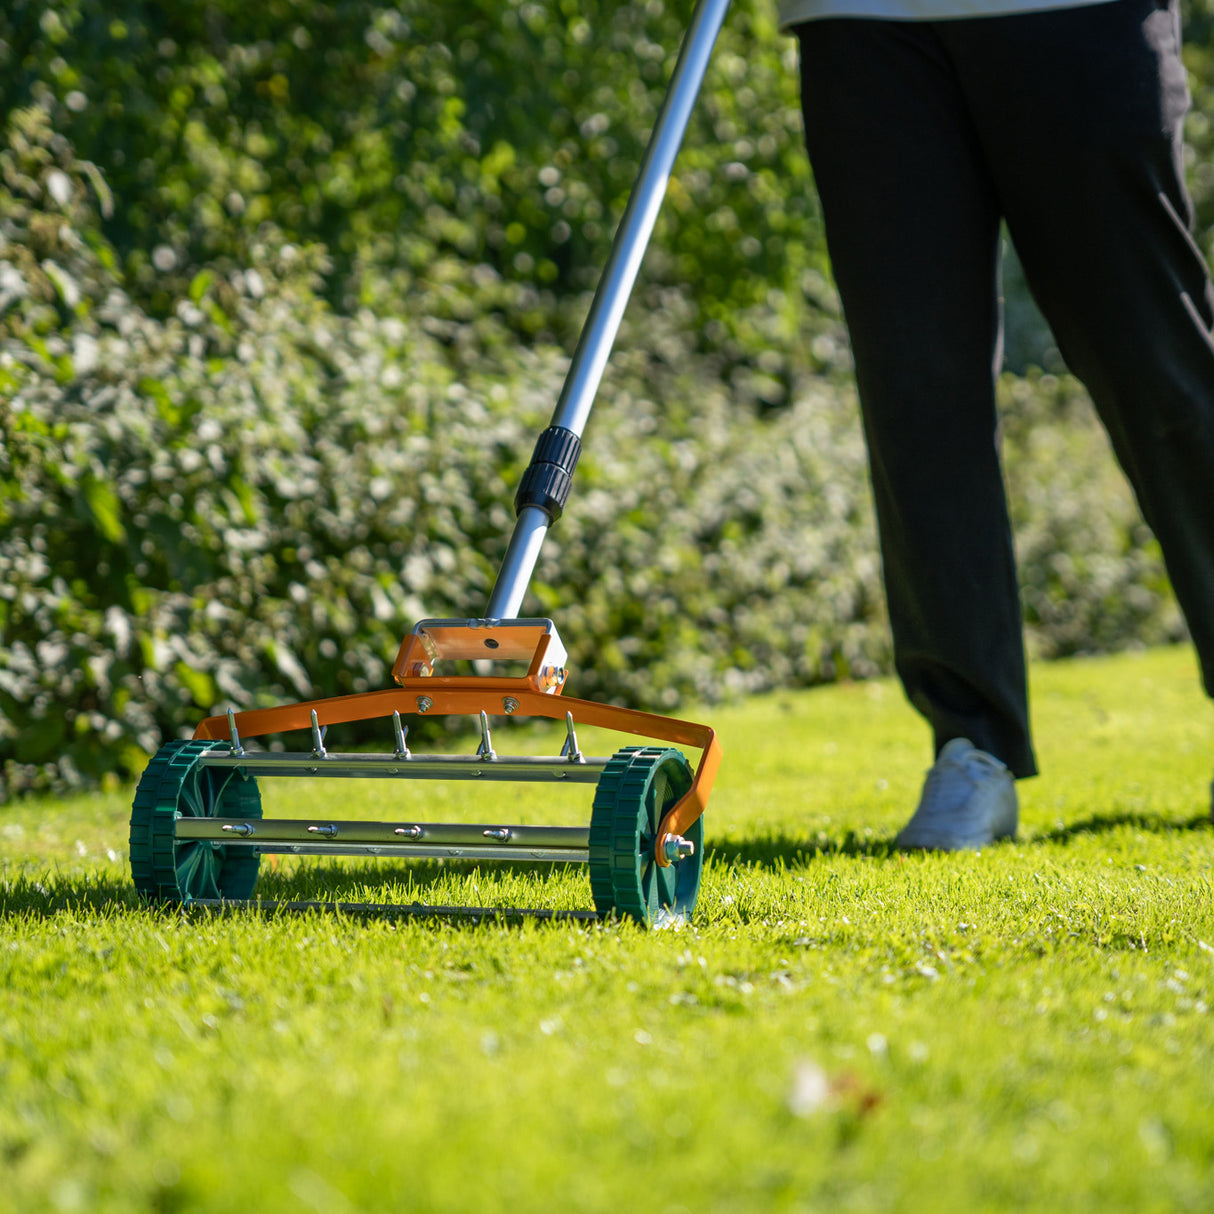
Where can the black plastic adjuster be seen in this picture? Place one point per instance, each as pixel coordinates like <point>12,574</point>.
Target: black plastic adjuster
<point>549,476</point>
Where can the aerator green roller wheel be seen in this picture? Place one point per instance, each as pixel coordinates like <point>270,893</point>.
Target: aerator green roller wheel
<point>176,785</point>
<point>638,786</point>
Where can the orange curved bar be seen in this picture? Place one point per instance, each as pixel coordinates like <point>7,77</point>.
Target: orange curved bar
<point>471,696</point>
<point>693,802</point>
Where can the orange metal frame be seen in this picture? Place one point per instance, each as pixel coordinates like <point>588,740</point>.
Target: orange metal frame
<point>536,694</point>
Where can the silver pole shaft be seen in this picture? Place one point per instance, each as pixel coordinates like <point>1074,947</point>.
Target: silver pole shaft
<point>615,286</point>
<point>515,574</point>
<point>611,297</point>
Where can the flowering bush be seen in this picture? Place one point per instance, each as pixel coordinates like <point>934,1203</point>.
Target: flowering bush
<point>265,394</point>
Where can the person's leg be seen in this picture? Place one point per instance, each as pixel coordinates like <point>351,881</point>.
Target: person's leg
<point>1080,115</point>
<point>912,229</point>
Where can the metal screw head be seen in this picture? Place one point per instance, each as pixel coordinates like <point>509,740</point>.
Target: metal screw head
<point>510,704</point>
<point>677,848</point>
<point>424,703</point>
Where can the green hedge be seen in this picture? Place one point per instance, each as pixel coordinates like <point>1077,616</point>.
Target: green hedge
<point>459,161</point>
<point>244,446</point>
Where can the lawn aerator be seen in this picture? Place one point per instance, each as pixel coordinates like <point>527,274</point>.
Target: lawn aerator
<point>197,831</point>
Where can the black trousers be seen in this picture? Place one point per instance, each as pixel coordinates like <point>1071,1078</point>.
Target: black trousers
<point>1067,125</point>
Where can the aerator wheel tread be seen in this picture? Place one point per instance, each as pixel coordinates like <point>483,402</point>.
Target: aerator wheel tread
<point>638,786</point>
<point>173,784</point>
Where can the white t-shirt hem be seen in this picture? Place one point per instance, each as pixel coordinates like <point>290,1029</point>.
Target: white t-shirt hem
<point>792,12</point>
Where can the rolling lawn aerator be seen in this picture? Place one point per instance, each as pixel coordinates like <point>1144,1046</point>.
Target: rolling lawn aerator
<point>197,830</point>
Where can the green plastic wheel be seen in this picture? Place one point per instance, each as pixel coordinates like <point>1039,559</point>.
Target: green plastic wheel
<point>637,788</point>
<point>175,785</point>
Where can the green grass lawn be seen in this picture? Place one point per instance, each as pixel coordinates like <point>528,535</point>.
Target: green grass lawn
<point>841,1028</point>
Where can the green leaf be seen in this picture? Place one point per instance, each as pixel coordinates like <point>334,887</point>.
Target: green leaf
<point>198,683</point>
<point>200,284</point>
<point>103,507</point>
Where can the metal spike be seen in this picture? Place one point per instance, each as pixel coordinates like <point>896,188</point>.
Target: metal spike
<point>410,832</point>
<point>402,749</point>
<point>329,831</point>
<point>318,738</point>
<point>244,829</point>
<point>485,749</point>
<point>570,750</point>
<point>237,749</point>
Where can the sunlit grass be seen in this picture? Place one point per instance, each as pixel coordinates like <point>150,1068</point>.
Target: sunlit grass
<point>841,1027</point>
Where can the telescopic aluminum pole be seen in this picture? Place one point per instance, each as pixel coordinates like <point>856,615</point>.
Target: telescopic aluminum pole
<point>545,485</point>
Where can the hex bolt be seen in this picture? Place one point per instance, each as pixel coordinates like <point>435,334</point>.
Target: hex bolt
<point>239,828</point>
<point>677,848</point>
<point>424,703</point>
<point>329,831</point>
<point>510,704</point>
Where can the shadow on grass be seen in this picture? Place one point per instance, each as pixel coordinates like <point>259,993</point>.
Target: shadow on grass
<point>328,875</point>
<point>777,851</point>
<point>406,890</point>
<point>1098,824</point>
<point>48,894</point>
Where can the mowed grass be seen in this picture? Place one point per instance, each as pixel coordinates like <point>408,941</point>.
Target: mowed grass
<point>841,1028</point>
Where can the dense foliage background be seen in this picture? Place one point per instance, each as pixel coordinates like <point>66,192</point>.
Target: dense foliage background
<point>287,289</point>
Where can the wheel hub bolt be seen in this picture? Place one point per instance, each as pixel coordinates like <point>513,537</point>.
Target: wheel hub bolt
<point>676,848</point>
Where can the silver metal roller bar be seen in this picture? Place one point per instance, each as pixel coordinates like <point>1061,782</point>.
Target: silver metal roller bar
<point>326,836</point>
<point>309,830</point>
<point>538,768</point>
<point>412,851</point>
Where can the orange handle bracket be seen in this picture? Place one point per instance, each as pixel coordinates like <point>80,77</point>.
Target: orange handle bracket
<point>534,641</point>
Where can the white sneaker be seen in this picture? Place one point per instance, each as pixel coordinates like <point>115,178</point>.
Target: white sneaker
<point>969,799</point>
